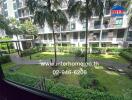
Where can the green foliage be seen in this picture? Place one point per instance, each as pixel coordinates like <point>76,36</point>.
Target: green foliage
<point>28,28</point>
<point>78,93</point>
<point>129,73</point>
<point>113,50</point>
<point>4,45</point>
<point>28,52</point>
<point>89,81</point>
<point>22,79</point>
<point>3,22</point>
<point>79,53</point>
<point>4,59</point>
<point>127,54</point>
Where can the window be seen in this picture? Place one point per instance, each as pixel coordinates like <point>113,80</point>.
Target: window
<point>50,36</point>
<point>97,24</point>
<point>14,6</point>
<point>16,14</point>
<point>5,6</point>
<point>45,36</point>
<point>120,33</point>
<point>5,13</point>
<point>84,23</point>
<point>119,22</point>
<point>73,26</point>
<point>75,35</point>
<point>82,35</point>
<point>63,37</point>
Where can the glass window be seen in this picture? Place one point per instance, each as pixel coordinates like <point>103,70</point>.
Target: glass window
<point>119,22</point>
<point>73,26</point>
<point>14,6</point>
<point>5,6</point>
<point>45,36</point>
<point>82,35</point>
<point>75,35</point>
<point>16,14</point>
<point>63,37</point>
<point>50,36</point>
<point>97,24</point>
<point>5,13</point>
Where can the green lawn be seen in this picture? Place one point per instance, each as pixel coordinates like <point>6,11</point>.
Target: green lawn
<point>115,58</point>
<point>115,83</point>
<point>69,57</point>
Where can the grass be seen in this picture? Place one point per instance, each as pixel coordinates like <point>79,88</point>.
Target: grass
<point>69,57</point>
<point>115,58</point>
<point>115,83</point>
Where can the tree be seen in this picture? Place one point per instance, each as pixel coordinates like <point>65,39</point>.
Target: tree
<point>28,28</point>
<point>15,29</point>
<point>48,11</point>
<point>84,9</point>
<point>3,22</point>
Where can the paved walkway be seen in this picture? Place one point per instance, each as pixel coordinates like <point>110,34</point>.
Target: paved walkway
<point>107,63</point>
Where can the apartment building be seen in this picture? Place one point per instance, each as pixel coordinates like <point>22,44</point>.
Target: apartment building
<point>106,32</point>
<point>2,32</point>
<point>16,9</point>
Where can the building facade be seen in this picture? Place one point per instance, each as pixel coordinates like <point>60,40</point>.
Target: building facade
<point>14,9</point>
<point>105,32</point>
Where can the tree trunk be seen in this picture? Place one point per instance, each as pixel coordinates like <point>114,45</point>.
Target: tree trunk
<point>55,55</point>
<point>8,48</point>
<point>86,34</point>
<point>19,49</point>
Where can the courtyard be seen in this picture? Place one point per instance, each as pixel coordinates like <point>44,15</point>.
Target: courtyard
<point>109,75</point>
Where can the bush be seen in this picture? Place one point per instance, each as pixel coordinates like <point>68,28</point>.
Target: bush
<point>22,79</point>
<point>78,93</point>
<point>5,59</point>
<point>96,50</point>
<point>129,73</point>
<point>28,52</point>
<point>79,53</point>
<point>127,55</point>
<point>113,50</point>
<point>89,81</point>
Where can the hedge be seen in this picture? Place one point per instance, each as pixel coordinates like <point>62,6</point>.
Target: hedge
<point>22,79</point>
<point>28,52</point>
<point>5,59</point>
<point>126,54</point>
<point>78,93</point>
<point>68,91</point>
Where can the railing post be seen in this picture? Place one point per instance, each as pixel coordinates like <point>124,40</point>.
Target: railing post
<point>1,73</point>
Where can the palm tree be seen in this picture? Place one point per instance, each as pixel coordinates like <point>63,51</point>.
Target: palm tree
<point>48,11</point>
<point>85,8</point>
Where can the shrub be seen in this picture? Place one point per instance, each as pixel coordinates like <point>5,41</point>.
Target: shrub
<point>22,79</point>
<point>28,52</point>
<point>79,53</point>
<point>129,73</point>
<point>96,50</point>
<point>78,93</point>
<point>113,50</point>
<point>89,81</point>
<point>5,59</point>
<point>127,55</point>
